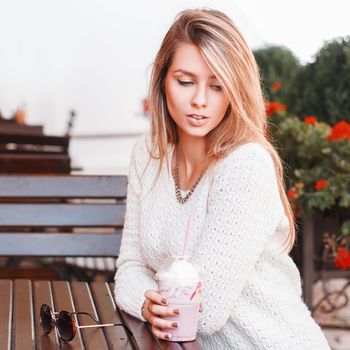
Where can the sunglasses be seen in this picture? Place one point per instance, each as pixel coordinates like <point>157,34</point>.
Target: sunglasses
<point>65,323</point>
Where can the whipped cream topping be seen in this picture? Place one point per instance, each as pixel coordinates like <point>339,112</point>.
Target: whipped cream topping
<point>177,268</point>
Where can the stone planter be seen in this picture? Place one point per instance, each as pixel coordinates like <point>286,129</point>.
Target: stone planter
<point>309,249</point>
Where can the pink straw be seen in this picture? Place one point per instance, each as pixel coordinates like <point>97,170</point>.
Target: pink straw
<point>197,289</point>
<point>188,233</point>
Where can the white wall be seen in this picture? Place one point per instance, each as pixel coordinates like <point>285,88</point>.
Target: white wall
<point>95,56</point>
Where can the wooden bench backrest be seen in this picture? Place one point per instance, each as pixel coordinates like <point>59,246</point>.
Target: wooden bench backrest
<point>38,144</point>
<point>61,215</point>
<point>34,154</point>
<point>9,127</point>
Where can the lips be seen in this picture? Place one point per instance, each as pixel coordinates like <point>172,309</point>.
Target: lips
<point>197,116</point>
<point>197,119</point>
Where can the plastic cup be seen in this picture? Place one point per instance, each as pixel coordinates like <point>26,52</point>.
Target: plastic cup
<point>180,284</point>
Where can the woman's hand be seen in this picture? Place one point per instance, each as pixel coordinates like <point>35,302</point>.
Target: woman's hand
<point>154,308</point>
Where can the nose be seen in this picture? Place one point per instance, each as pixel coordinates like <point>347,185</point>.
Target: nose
<point>200,99</point>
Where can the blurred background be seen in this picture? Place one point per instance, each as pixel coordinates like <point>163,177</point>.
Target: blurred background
<point>95,58</point>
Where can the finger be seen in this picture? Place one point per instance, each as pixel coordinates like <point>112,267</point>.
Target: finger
<point>161,310</point>
<point>155,297</point>
<point>164,324</point>
<point>159,334</point>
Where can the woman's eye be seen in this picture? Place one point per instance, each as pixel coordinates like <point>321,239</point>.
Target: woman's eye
<point>217,87</point>
<point>185,82</point>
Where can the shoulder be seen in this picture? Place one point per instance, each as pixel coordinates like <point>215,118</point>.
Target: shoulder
<point>250,150</point>
<point>141,148</point>
<point>140,154</point>
<point>248,165</point>
<point>247,155</point>
<point>141,145</point>
<point>248,173</point>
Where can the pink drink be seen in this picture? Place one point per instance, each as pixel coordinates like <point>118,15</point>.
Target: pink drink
<point>180,284</point>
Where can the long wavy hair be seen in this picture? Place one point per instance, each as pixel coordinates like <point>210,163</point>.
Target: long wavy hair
<point>228,56</point>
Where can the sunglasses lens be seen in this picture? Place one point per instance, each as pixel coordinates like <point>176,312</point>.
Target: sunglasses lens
<point>66,326</point>
<point>46,319</point>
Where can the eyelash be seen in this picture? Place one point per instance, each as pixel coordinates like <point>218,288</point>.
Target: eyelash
<point>188,83</point>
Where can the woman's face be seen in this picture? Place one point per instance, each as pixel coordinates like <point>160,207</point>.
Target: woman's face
<point>196,101</point>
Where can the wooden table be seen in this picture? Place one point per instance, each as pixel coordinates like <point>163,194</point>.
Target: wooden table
<point>20,302</point>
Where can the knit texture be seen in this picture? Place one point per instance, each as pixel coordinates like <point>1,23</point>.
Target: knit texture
<point>251,289</point>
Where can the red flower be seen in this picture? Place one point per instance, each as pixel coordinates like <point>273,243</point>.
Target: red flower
<point>276,86</point>
<point>339,131</point>
<point>292,193</point>
<point>321,184</point>
<point>343,259</point>
<point>273,107</point>
<point>310,119</point>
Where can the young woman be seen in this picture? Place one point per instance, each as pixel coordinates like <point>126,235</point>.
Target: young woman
<point>207,152</point>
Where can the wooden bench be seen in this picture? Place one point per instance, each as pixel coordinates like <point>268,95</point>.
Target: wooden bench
<point>60,216</point>
<point>39,154</point>
<point>11,127</point>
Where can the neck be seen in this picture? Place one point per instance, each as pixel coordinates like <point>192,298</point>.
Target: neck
<point>192,154</point>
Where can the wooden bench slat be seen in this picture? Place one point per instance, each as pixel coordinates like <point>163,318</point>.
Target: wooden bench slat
<point>40,164</point>
<point>63,300</point>
<point>6,290</point>
<point>116,336</point>
<point>42,294</point>
<point>33,273</point>
<point>62,215</point>
<point>59,244</point>
<point>94,338</point>
<point>143,336</point>
<point>36,140</point>
<point>63,186</point>
<point>23,318</point>
<point>12,128</point>
<point>51,150</point>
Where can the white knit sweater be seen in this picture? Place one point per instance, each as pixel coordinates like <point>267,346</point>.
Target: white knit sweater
<point>251,292</point>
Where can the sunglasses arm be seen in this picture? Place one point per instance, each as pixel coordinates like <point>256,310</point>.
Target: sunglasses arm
<point>96,325</point>
<point>81,313</point>
<point>105,325</point>
<point>87,314</point>
<point>99,323</point>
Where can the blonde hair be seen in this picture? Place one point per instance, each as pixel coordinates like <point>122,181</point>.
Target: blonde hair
<point>228,56</point>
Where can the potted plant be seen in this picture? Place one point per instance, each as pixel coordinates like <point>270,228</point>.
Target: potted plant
<point>317,169</point>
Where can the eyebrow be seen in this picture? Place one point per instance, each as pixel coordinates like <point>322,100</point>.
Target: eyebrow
<point>191,74</point>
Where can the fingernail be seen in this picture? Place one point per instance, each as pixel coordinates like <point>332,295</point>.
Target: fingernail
<point>174,324</point>
<point>164,301</point>
<point>177,311</point>
<point>168,336</point>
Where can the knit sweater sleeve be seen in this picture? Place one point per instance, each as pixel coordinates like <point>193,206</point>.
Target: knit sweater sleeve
<point>244,209</point>
<point>133,277</point>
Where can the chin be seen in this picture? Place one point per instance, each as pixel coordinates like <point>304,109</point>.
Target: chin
<point>197,132</point>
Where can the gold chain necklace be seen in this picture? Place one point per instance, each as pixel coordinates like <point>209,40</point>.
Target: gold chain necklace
<point>179,197</point>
